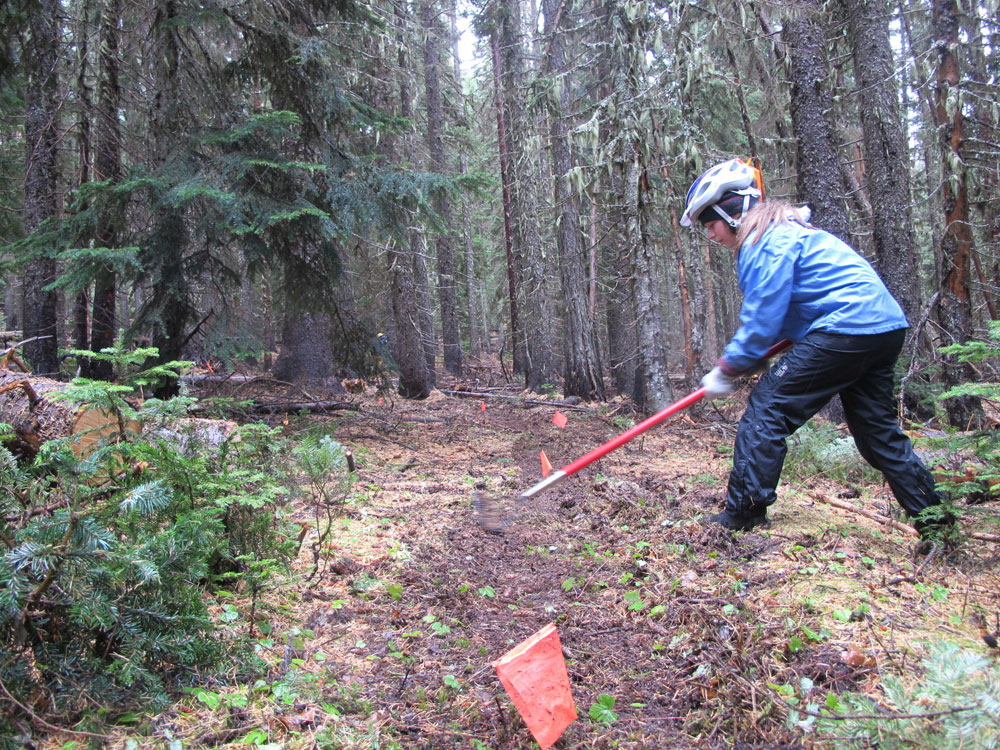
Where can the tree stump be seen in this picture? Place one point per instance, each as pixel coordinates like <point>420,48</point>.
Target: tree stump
<point>27,405</point>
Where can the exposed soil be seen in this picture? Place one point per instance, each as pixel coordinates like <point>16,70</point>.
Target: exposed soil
<point>687,626</point>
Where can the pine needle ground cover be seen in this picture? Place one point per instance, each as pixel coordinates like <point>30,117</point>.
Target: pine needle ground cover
<point>675,634</point>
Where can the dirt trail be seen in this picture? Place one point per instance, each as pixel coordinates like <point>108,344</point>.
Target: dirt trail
<point>683,625</point>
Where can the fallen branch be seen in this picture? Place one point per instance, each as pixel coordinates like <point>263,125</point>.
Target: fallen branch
<point>218,379</point>
<point>980,535</point>
<point>567,404</point>
<point>867,514</point>
<point>279,407</point>
<point>868,717</point>
<point>9,356</point>
<point>276,407</point>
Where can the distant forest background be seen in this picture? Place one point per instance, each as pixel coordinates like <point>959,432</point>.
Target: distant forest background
<point>225,179</point>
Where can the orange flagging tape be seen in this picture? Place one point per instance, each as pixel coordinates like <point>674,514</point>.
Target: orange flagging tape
<point>546,466</point>
<point>380,399</point>
<point>534,675</point>
<point>559,420</point>
<point>482,406</point>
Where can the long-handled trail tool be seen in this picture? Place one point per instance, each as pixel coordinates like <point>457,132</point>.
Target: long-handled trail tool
<point>489,518</point>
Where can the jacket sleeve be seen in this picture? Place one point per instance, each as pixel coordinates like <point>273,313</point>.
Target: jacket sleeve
<point>766,277</point>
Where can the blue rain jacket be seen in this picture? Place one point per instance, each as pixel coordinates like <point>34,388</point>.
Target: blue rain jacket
<point>797,279</point>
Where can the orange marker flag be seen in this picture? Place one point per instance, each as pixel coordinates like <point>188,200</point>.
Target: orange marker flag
<point>546,466</point>
<point>559,420</point>
<point>482,406</point>
<point>534,675</point>
<point>380,399</point>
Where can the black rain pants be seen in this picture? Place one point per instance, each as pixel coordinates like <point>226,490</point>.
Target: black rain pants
<point>821,365</point>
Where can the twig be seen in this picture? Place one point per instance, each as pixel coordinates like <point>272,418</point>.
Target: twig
<point>9,355</point>
<point>13,517</point>
<point>888,653</point>
<point>26,385</point>
<point>885,717</point>
<point>919,570</point>
<point>39,720</point>
<point>980,535</point>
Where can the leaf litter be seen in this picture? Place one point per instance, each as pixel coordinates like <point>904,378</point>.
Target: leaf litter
<point>696,636</point>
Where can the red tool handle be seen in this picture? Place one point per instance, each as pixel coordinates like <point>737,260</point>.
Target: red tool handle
<point>602,450</point>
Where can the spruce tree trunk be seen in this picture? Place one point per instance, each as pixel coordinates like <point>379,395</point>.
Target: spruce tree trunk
<point>819,181</point>
<point>416,376</point>
<point>476,327</point>
<point>887,162</point>
<point>167,266</point>
<point>81,304</point>
<point>447,287</point>
<point>957,244</point>
<point>582,371</point>
<point>537,291</point>
<point>306,357</point>
<point>108,167</point>
<point>415,380</point>
<point>511,246</point>
<point>653,391</point>
<point>41,135</point>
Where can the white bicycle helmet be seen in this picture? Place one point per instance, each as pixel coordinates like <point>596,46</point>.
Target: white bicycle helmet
<point>733,176</point>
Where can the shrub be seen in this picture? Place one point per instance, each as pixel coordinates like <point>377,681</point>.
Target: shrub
<point>956,705</point>
<point>821,448</point>
<point>111,559</point>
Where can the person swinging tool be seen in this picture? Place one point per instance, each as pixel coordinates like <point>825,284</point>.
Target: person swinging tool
<point>806,285</point>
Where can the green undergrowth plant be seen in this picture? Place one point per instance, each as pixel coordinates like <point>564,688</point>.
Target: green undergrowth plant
<point>982,446</point>
<point>955,704</point>
<point>820,448</point>
<point>324,488</point>
<point>113,559</point>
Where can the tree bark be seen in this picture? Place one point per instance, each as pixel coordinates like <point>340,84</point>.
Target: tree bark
<point>447,287</point>
<point>957,244</point>
<point>41,57</point>
<point>582,370</point>
<point>416,374</point>
<point>811,104</point>
<point>306,356</point>
<point>653,391</point>
<point>513,263</point>
<point>538,305</point>
<point>886,155</point>
<point>107,167</point>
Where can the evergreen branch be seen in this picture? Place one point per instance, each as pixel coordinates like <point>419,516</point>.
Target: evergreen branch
<point>871,717</point>
<point>21,632</point>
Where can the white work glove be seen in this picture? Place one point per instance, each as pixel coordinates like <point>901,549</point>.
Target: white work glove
<point>716,383</point>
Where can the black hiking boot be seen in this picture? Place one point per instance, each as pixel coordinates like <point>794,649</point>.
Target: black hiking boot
<point>936,532</point>
<point>739,521</point>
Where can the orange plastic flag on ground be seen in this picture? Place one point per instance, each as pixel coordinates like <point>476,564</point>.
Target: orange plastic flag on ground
<point>546,466</point>
<point>482,406</point>
<point>534,675</point>
<point>559,420</point>
<point>380,399</point>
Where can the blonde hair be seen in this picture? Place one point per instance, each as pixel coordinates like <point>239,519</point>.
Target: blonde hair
<point>764,215</point>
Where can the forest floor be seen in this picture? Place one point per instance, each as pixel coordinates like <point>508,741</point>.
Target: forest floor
<point>386,633</point>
